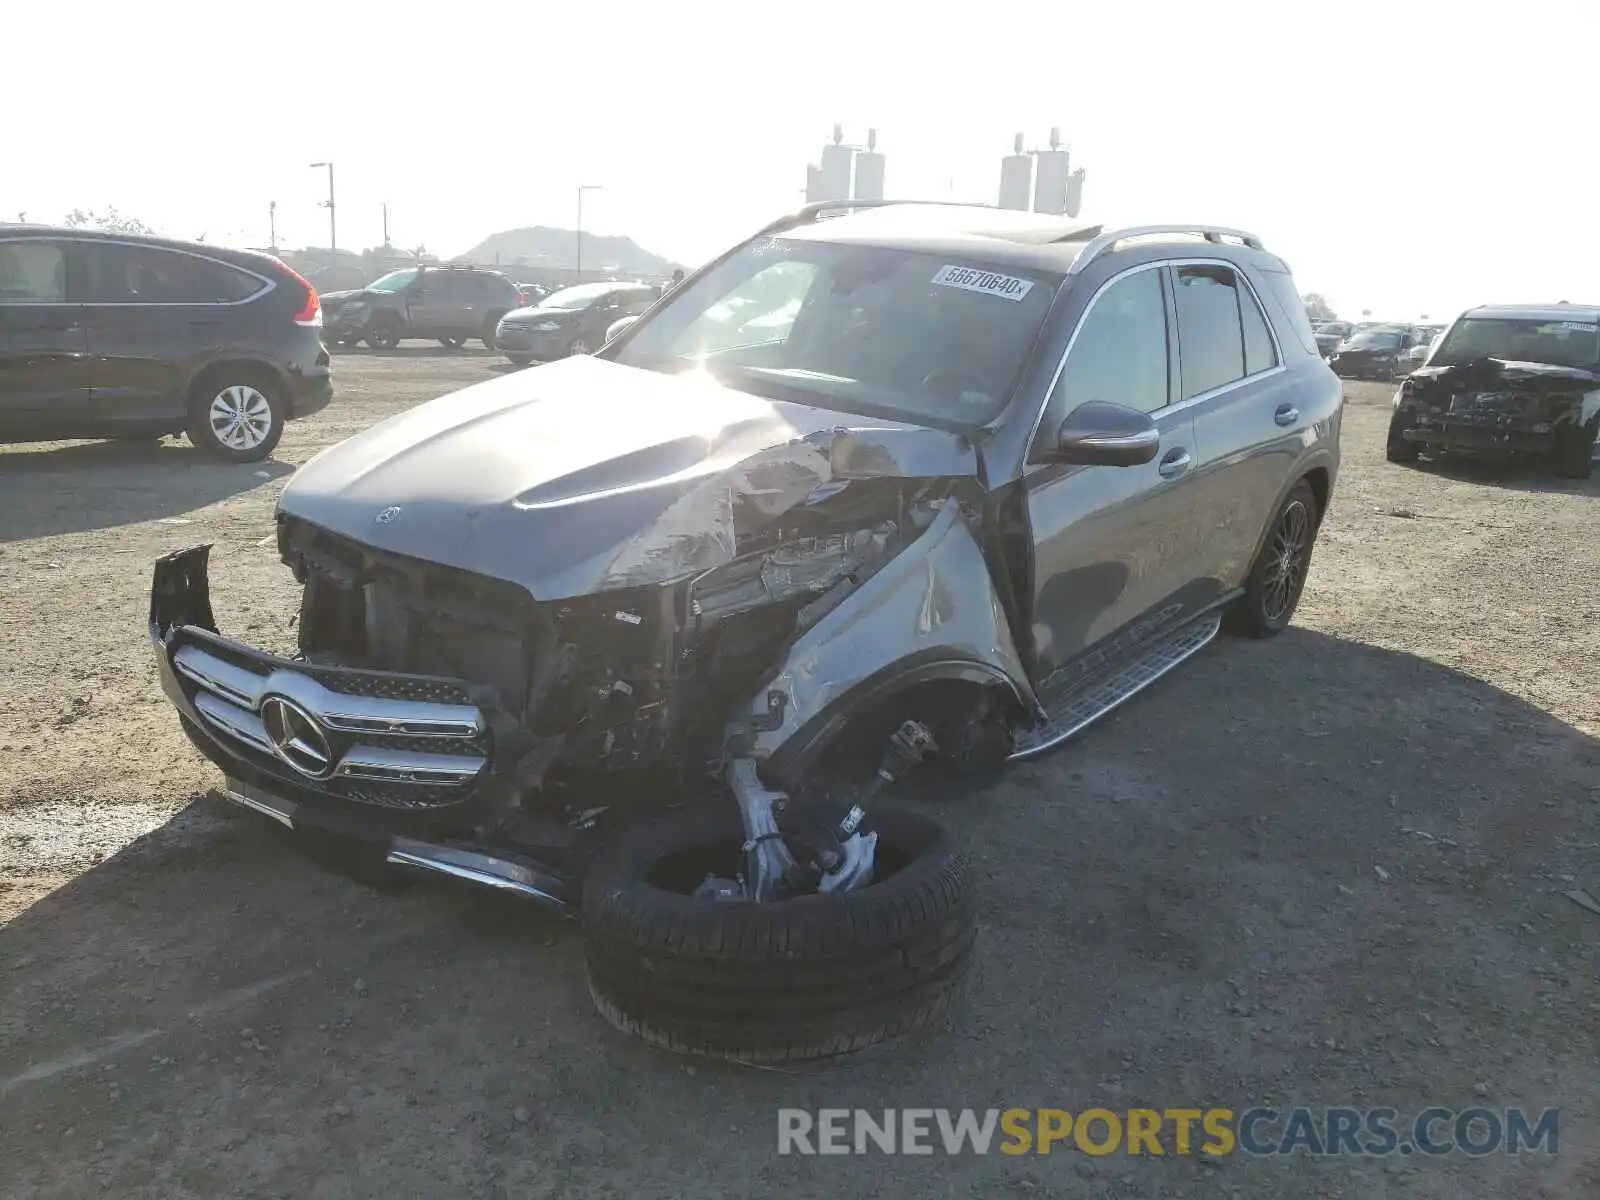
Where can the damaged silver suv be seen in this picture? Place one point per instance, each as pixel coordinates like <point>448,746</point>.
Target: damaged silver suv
<point>887,489</point>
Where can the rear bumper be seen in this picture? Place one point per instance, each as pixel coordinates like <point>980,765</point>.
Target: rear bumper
<point>312,392</point>
<point>402,763</point>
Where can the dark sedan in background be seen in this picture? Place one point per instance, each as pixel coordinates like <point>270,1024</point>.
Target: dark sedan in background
<point>1373,353</point>
<point>572,321</point>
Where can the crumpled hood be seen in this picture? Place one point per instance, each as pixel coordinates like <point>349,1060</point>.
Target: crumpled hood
<point>341,297</point>
<point>584,475</point>
<point>1539,390</point>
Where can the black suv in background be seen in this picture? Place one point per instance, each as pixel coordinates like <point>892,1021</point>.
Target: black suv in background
<point>446,302</point>
<point>571,321</point>
<point>131,338</point>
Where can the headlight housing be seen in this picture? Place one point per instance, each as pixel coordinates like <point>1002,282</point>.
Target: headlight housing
<point>547,326</point>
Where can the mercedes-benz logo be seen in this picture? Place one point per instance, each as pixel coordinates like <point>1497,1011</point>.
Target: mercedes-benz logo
<point>296,737</point>
<point>387,515</point>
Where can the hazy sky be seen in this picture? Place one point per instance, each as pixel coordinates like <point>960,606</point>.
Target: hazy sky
<point>1404,157</point>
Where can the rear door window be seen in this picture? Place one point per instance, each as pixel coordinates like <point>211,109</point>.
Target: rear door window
<point>1210,337</point>
<point>126,274</point>
<point>1260,353</point>
<point>32,273</point>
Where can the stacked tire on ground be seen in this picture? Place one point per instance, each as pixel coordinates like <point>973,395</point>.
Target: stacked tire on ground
<point>816,977</point>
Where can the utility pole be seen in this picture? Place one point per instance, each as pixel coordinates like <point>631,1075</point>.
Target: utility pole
<point>333,230</point>
<point>577,258</point>
<point>385,222</point>
<point>272,225</point>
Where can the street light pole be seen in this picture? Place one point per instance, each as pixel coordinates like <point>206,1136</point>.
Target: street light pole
<point>333,231</point>
<point>577,270</point>
<point>272,225</point>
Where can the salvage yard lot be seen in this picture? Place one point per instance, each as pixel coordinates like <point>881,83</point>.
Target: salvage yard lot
<point>1325,869</point>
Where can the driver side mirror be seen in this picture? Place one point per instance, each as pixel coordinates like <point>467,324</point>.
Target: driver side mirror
<point>617,327</point>
<point>1105,435</point>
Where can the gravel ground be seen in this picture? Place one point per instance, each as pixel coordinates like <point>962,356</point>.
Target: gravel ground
<point>1326,869</point>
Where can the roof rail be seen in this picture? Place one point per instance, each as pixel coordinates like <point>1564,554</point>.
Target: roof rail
<point>1106,241</point>
<point>818,209</point>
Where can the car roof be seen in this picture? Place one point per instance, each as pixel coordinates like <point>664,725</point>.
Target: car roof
<point>1002,237</point>
<point>1538,312</point>
<point>1019,239</point>
<point>254,257</point>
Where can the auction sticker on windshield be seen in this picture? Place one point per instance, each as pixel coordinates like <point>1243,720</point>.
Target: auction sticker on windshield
<point>1007,287</point>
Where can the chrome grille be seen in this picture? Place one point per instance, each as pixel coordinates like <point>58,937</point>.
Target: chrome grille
<point>393,741</point>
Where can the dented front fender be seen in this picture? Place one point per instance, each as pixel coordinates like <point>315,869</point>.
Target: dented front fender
<point>931,613</point>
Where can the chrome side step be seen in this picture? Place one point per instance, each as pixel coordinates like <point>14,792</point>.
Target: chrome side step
<point>1084,705</point>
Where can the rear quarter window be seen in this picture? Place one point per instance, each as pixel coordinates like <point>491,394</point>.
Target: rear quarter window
<point>1289,309</point>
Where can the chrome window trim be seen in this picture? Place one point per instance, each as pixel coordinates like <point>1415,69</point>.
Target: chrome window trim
<point>1055,378</point>
<point>267,284</point>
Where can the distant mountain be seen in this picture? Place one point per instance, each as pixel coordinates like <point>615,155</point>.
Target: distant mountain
<point>543,246</point>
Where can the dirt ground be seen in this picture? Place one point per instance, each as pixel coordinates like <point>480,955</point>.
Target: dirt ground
<point>1325,869</point>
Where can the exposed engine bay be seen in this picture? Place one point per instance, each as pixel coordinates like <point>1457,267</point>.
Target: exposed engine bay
<point>636,682</point>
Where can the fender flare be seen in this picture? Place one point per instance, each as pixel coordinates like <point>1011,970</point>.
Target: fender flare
<point>1319,458</point>
<point>787,765</point>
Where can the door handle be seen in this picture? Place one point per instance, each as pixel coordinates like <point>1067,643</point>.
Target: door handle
<point>1176,462</point>
<point>1287,414</point>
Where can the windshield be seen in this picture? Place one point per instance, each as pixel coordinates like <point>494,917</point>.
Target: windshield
<point>393,281</point>
<point>1559,343</point>
<point>573,298</point>
<point>855,328</point>
<point>1336,328</point>
<point>1375,339</point>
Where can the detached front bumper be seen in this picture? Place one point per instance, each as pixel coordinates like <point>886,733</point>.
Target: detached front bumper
<point>379,758</point>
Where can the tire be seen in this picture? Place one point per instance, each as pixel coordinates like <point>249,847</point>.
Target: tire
<point>1574,457</point>
<point>817,977</point>
<point>236,414</point>
<point>1396,449</point>
<point>519,360</point>
<point>452,343</point>
<point>578,346</point>
<point>491,324</point>
<point>1272,592</point>
<point>385,333</point>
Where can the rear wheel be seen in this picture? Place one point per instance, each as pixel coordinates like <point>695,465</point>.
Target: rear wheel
<point>1574,458</point>
<point>1272,591</point>
<point>236,414</point>
<point>813,977</point>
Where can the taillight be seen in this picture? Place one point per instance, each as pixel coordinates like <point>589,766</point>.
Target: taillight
<point>310,310</point>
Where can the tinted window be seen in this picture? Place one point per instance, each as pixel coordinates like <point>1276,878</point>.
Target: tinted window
<point>145,275</point>
<point>1210,340</point>
<point>1120,352</point>
<point>1259,352</point>
<point>1291,309</point>
<point>32,273</point>
<point>443,284</point>
<point>634,303</point>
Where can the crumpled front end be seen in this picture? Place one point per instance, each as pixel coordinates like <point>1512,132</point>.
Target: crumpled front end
<point>1492,405</point>
<point>424,697</point>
